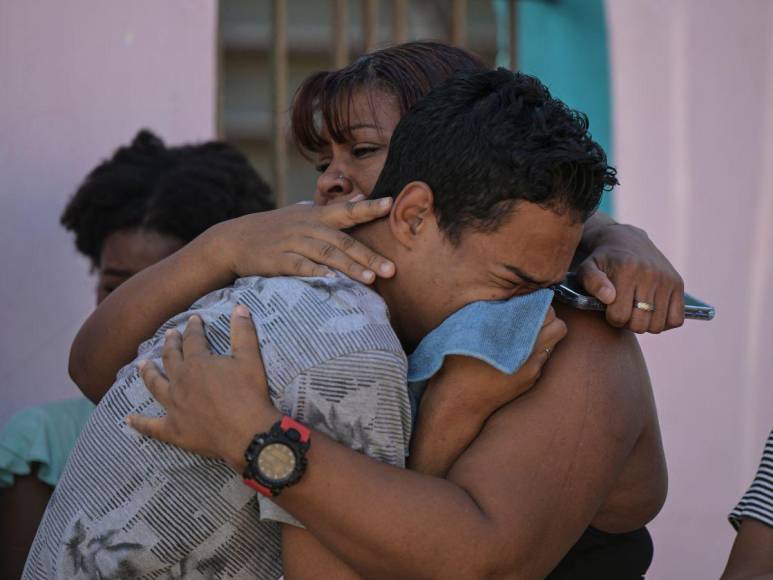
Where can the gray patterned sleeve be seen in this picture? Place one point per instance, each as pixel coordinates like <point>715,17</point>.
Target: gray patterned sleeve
<point>360,400</point>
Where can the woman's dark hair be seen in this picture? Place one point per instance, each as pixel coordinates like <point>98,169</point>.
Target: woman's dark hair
<point>175,191</point>
<point>485,141</point>
<point>406,72</point>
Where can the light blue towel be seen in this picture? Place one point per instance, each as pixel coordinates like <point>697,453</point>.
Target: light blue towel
<point>500,333</point>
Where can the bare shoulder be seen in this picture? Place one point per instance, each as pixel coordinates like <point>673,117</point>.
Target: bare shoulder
<point>590,334</point>
<point>606,359</point>
<point>563,446</point>
<point>595,388</point>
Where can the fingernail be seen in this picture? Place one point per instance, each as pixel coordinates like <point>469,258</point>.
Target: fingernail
<point>169,332</point>
<point>369,275</point>
<point>142,364</point>
<point>195,318</point>
<point>385,268</point>
<point>241,311</point>
<point>330,274</point>
<point>606,294</point>
<point>358,197</point>
<point>385,202</point>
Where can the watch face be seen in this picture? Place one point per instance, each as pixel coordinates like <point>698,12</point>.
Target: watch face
<point>276,462</point>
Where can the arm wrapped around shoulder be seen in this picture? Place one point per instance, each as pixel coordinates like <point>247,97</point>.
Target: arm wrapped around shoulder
<point>360,400</point>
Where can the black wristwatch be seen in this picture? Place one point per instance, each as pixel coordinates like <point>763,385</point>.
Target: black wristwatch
<point>277,459</point>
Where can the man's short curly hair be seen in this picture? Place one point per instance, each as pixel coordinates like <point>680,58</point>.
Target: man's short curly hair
<point>484,141</point>
<point>176,191</point>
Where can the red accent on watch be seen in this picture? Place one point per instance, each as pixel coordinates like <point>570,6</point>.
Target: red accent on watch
<point>257,487</point>
<point>285,425</point>
<point>288,423</point>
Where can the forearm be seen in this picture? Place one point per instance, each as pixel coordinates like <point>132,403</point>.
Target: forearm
<point>414,526</point>
<point>442,433</point>
<point>133,312</point>
<point>752,554</point>
<point>593,227</point>
<point>452,414</point>
<point>303,557</point>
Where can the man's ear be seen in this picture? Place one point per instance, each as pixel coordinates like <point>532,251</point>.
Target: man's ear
<point>412,213</point>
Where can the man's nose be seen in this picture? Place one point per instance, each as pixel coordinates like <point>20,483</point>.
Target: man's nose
<point>331,185</point>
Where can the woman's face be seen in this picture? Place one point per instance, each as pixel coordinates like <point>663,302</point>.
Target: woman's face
<point>351,168</point>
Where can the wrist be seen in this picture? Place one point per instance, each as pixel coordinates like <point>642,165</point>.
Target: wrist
<point>439,407</point>
<point>614,233</point>
<point>260,421</point>
<point>594,228</point>
<point>220,248</point>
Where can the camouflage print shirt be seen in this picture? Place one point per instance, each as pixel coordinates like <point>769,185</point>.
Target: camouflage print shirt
<point>132,507</point>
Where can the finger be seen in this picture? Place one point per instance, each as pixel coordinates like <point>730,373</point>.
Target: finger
<point>194,339</point>
<point>297,265</point>
<point>156,382</point>
<point>596,282</point>
<point>619,312</point>
<point>171,352</point>
<point>244,338</point>
<point>676,308</point>
<point>640,319</point>
<point>546,343</point>
<point>550,335</point>
<point>155,427</point>
<point>352,251</point>
<point>550,316</point>
<point>659,317</point>
<point>329,254</point>
<point>352,213</point>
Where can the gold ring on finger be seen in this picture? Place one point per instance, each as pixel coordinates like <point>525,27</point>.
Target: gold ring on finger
<point>645,306</point>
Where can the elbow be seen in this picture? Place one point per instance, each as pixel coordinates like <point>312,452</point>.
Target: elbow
<point>511,565</point>
<point>77,368</point>
<point>75,364</point>
<point>489,556</point>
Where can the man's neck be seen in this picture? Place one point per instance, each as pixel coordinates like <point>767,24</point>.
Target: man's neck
<point>404,314</point>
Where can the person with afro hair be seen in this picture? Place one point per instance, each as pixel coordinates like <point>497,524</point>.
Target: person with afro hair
<point>131,211</point>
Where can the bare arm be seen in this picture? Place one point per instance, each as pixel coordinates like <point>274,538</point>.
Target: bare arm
<point>752,554</point>
<point>558,449</point>
<point>465,393</point>
<point>449,400</point>
<point>295,240</point>
<point>305,558</point>
<point>594,223</point>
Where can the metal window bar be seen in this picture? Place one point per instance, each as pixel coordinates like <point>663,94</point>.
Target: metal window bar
<point>399,30</point>
<point>458,22</point>
<point>369,24</point>
<point>512,16</point>
<point>279,70</point>
<point>340,33</point>
<point>340,50</point>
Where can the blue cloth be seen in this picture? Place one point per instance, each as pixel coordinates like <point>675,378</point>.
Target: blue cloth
<point>500,333</point>
<point>45,435</point>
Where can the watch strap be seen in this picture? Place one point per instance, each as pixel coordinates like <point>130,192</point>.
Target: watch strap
<point>294,434</point>
<point>288,423</point>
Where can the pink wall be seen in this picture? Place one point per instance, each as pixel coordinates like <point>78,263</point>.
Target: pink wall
<point>693,121</point>
<point>78,78</point>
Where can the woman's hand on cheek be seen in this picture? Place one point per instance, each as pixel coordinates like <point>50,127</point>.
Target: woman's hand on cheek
<point>214,404</point>
<point>625,267</point>
<point>302,240</point>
